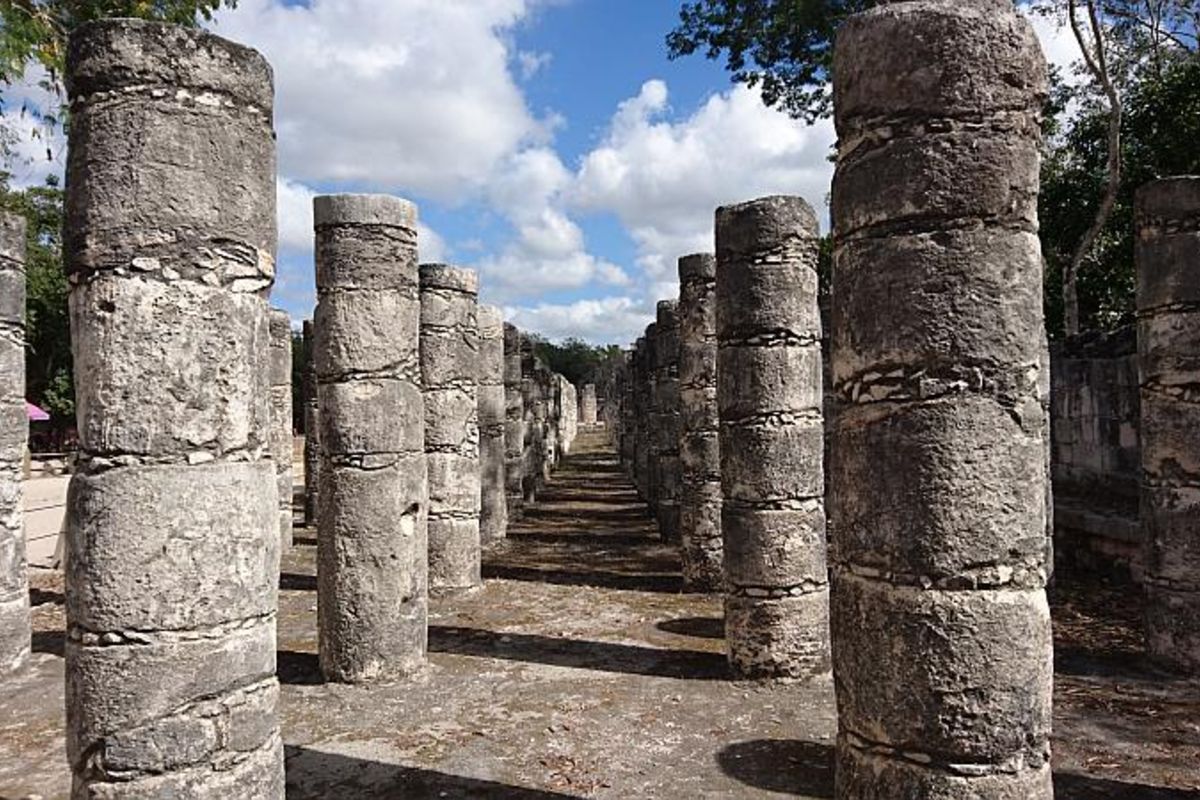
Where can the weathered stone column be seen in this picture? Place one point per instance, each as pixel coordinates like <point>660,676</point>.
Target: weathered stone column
<point>699,454</point>
<point>942,647</point>
<point>533,451</point>
<point>569,413</point>
<point>514,424</point>
<point>312,430</point>
<point>14,430</point>
<point>450,370</point>
<point>553,418</point>
<point>771,439</point>
<point>1168,296</point>
<point>650,412</point>
<point>666,427</point>
<point>587,404</point>
<point>172,517</point>
<point>281,418</point>
<point>372,589</point>
<point>493,512</point>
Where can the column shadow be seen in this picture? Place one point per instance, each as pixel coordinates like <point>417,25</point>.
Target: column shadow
<point>667,584</point>
<point>787,766</point>
<point>698,627</point>
<point>1070,786</point>
<point>579,654</point>
<point>314,775</point>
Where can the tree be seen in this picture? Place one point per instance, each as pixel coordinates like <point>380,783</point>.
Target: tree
<point>35,32</point>
<point>784,46</point>
<point>1132,50</point>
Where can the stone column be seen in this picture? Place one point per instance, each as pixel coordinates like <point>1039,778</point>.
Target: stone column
<point>587,404</point>
<point>533,451</point>
<point>569,413</point>
<point>493,512</point>
<point>281,418</point>
<point>942,647</point>
<point>553,418</point>
<point>771,439</point>
<point>450,370</point>
<point>312,431</point>
<point>514,423</point>
<point>666,427</point>
<point>372,589</point>
<point>1168,297</point>
<point>172,537</point>
<point>699,455</point>
<point>650,417</point>
<point>14,429</point>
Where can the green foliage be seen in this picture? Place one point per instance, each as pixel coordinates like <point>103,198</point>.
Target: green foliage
<point>784,46</point>
<point>580,362</point>
<point>35,32</point>
<point>47,324</point>
<point>1160,126</point>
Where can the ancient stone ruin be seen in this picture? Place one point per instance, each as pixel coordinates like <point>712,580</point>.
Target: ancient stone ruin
<point>795,540</point>
<point>771,439</point>
<point>937,485</point>
<point>14,590</point>
<point>174,498</point>
<point>372,557</point>
<point>1168,299</point>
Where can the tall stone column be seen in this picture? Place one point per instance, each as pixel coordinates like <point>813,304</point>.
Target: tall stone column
<point>533,451</point>
<point>312,430</point>
<point>514,424</point>
<point>281,417</point>
<point>637,417</point>
<point>1168,296</point>
<point>550,391</point>
<point>493,511</point>
<point>771,439</point>
<point>587,405</point>
<point>372,588</point>
<point>666,430</point>
<point>650,438</point>
<point>569,413</point>
<point>450,370</point>
<point>699,454</point>
<point>172,534</point>
<point>942,647</point>
<point>14,429</point>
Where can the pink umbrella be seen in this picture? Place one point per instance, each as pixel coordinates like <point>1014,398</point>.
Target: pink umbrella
<point>34,413</point>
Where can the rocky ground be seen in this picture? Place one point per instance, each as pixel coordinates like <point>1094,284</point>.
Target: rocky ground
<point>580,671</point>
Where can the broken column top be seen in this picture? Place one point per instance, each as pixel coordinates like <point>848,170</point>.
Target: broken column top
<point>12,237</point>
<point>364,209</point>
<point>668,314</point>
<point>763,223</point>
<point>697,267</point>
<point>117,54</point>
<point>451,278</point>
<point>958,58</point>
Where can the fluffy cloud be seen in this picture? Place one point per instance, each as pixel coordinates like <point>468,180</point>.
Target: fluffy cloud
<point>663,179</point>
<point>409,94</point>
<point>600,321</point>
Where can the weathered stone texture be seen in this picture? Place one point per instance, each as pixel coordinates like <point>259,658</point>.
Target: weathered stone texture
<point>172,521</point>
<point>374,499</point>
<point>312,430</point>
<point>938,473</point>
<point>1168,297</point>
<point>533,393</point>
<point>14,427</point>
<point>281,417</point>
<point>666,421</point>
<point>587,404</point>
<point>514,424</point>
<point>568,414</point>
<point>771,439</point>
<point>493,511</point>
<point>699,423</point>
<point>450,363</point>
<point>649,434</point>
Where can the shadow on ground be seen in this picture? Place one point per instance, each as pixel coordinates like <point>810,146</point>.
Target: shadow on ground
<point>316,775</point>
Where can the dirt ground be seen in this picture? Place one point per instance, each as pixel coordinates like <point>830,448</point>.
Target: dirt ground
<point>580,671</point>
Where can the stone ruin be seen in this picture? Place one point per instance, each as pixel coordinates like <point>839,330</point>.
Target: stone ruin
<point>433,425</point>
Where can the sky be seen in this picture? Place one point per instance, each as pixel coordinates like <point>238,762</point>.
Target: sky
<point>549,144</point>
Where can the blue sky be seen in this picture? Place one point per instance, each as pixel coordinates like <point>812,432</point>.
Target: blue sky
<point>550,144</point>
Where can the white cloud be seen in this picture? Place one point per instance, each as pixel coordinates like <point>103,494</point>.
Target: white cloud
<point>665,179</point>
<point>409,94</point>
<point>602,321</point>
<point>532,63</point>
<point>1058,43</point>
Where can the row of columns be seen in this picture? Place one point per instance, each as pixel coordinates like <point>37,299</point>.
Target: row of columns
<point>940,627</point>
